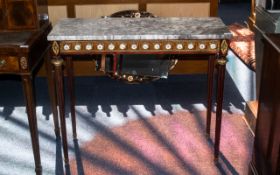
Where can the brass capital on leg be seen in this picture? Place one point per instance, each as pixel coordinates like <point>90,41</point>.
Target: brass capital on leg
<point>57,62</point>
<point>222,61</point>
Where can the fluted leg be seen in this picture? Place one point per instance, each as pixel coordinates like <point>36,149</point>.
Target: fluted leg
<point>51,86</point>
<point>220,91</point>
<point>32,119</point>
<point>211,66</point>
<point>58,62</point>
<point>71,88</point>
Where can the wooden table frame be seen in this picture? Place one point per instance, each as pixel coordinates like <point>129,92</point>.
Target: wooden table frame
<point>66,50</point>
<point>24,60</point>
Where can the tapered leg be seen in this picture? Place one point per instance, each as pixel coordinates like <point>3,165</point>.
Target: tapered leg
<point>70,75</point>
<point>57,62</point>
<point>32,120</point>
<point>51,86</point>
<point>211,66</point>
<point>220,91</point>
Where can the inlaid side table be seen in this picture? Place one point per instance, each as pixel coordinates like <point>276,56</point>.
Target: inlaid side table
<point>21,54</point>
<point>115,36</point>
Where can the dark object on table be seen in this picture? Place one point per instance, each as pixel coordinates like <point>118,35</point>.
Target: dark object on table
<point>136,68</point>
<point>132,14</point>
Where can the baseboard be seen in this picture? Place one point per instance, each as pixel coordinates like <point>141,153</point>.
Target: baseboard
<point>251,111</point>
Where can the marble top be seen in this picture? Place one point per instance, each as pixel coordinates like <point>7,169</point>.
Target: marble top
<point>139,29</point>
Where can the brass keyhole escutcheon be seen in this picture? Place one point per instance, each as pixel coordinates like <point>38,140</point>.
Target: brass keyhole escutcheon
<point>2,62</point>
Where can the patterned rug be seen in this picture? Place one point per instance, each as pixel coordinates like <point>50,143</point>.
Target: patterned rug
<point>172,144</point>
<point>243,44</point>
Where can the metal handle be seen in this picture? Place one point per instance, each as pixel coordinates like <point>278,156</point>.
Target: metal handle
<point>2,62</point>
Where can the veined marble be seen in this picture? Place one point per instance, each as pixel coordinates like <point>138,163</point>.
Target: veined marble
<point>139,29</point>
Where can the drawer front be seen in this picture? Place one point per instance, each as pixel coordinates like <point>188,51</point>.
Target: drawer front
<point>9,64</point>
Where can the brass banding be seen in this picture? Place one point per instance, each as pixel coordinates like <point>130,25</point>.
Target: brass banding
<point>122,46</point>
<point>224,47</point>
<point>190,46</point>
<point>57,62</point>
<point>78,47</point>
<point>213,46</point>
<point>23,63</point>
<point>179,46</point>
<point>157,46</point>
<point>147,45</point>
<point>134,46</point>
<point>222,61</point>
<point>66,47</point>
<point>130,78</point>
<point>202,46</point>
<point>89,47</point>
<point>168,46</point>
<point>100,47</point>
<point>55,48</point>
<point>111,46</point>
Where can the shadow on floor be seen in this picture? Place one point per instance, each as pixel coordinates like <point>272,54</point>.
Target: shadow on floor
<point>184,90</point>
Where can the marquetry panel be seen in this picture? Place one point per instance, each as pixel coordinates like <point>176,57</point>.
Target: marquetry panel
<point>88,11</point>
<point>9,64</point>
<point>21,14</point>
<point>57,12</point>
<point>180,9</point>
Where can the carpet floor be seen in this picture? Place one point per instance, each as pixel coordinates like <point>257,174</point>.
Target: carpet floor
<point>164,144</point>
<point>126,129</point>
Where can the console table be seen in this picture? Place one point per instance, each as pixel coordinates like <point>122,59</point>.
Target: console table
<point>190,36</point>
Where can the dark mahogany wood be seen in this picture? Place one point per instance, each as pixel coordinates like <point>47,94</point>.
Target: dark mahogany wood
<point>21,53</point>
<point>58,64</point>
<point>213,57</point>
<point>220,92</point>
<point>51,86</point>
<point>24,27</point>
<point>32,119</point>
<point>266,153</point>
<point>210,78</point>
<point>70,76</point>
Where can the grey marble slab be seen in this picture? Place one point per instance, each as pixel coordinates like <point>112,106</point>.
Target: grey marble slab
<point>139,29</point>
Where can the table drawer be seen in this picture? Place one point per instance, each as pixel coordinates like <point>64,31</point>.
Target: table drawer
<point>9,64</point>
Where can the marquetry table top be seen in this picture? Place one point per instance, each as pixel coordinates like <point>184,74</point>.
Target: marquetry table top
<point>14,38</point>
<point>175,28</point>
